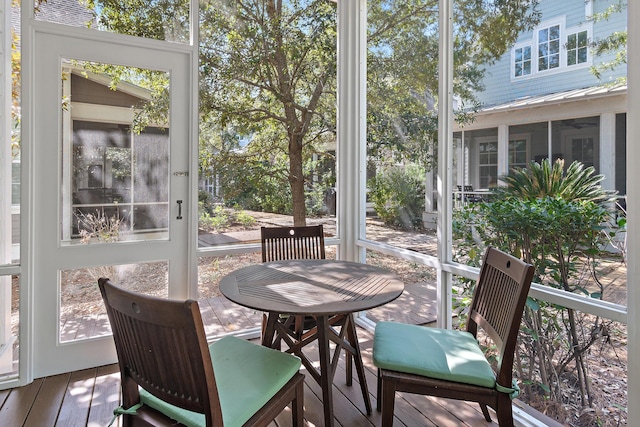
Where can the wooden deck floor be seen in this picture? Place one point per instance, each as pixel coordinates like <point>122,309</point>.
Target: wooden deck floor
<point>88,397</point>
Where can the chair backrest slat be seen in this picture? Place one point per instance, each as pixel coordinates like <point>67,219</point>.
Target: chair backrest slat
<point>162,347</point>
<point>498,303</point>
<point>284,243</point>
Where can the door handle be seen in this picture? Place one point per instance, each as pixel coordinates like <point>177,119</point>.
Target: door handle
<point>179,209</point>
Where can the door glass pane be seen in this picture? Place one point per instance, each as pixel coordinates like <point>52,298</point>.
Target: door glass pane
<point>117,138</point>
<point>10,145</point>
<point>82,311</point>
<point>9,326</point>
<point>159,20</point>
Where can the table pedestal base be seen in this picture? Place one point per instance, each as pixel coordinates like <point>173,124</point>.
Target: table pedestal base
<point>278,331</point>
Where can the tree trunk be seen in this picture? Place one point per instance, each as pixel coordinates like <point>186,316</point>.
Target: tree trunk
<point>296,181</point>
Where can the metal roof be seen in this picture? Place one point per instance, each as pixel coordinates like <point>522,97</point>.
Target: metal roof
<point>574,95</point>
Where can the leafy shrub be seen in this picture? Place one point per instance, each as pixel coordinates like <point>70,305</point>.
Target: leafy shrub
<point>221,218</point>
<point>554,219</point>
<point>218,219</point>
<point>243,218</point>
<point>398,196</point>
<point>205,201</point>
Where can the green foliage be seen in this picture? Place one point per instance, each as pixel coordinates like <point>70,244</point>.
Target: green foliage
<point>559,221</point>
<point>218,218</point>
<point>271,196</point>
<point>543,179</point>
<point>205,201</point>
<point>402,71</point>
<point>159,19</point>
<point>244,219</point>
<point>398,196</point>
<point>615,42</point>
<point>268,71</point>
<point>315,197</point>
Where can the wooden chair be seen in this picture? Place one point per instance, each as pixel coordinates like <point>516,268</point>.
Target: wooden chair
<point>450,363</point>
<point>283,243</point>
<point>469,194</point>
<point>169,375</point>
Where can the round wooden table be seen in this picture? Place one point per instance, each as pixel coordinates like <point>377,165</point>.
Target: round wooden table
<point>330,291</point>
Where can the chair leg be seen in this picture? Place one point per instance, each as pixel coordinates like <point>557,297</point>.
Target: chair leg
<point>388,402</point>
<point>264,324</point>
<point>504,411</point>
<point>485,412</point>
<point>297,406</point>
<point>379,391</point>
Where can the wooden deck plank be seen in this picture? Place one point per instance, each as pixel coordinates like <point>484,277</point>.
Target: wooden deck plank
<point>17,405</point>
<point>243,318</point>
<point>105,397</point>
<point>74,411</point>
<point>416,305</point>
<point>212,323</point>
<point>48,401</point>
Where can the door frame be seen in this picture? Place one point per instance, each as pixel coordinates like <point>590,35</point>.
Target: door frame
<point>42,353</point>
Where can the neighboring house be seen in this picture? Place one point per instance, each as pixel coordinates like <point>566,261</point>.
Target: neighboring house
<point>108,170</point>
<point>541,100</point>
<point>112,171</point>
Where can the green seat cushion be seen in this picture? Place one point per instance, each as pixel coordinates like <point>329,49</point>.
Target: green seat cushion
<point>247,376</point>
<point>431,352</point>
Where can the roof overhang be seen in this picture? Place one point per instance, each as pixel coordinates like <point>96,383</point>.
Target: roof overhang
<point>592,101</point>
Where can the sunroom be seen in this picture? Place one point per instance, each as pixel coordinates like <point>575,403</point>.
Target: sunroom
<point>124,118</point>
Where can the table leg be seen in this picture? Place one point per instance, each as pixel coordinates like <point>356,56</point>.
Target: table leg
<point>269,330</point>
<point>326,380</point>
<point>353,340</point>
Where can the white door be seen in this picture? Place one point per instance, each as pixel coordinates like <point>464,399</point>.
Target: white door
<point>110,198</point>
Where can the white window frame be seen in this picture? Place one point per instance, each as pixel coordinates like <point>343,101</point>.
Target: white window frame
<point>534,42</point>
<point>539,43</point>
<point>588,27</point>
<point>514,60</point>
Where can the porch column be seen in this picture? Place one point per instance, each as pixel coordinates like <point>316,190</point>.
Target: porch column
<point>503,151</point>
<point>633,214</point>
<point>445,161</point>
<point>608,150</point>
<point>6,339</point>
<point>351,145</point>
